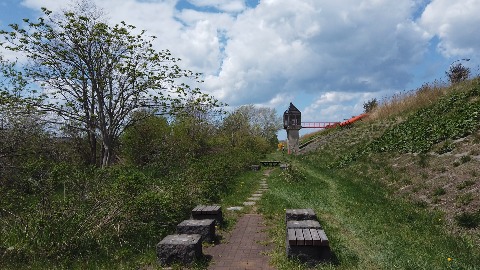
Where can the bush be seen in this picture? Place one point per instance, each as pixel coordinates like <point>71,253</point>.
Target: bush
<point>370,105</point>
<point>458,73</point>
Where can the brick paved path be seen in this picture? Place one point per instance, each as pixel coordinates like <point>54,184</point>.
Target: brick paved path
<point>244,248</point>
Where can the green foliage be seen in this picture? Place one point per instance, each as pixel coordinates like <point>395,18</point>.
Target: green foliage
<point>146,139</point>
<point>453,117</point>
<point>61,212</point>
<point>358,213</point>
<point>248,124</point>
<point>293,174</point>
<point>101,74</point>
<point>439,191</point>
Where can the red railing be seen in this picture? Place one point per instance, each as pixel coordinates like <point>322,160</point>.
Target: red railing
<point>319,124</point>
<point>332,124</point>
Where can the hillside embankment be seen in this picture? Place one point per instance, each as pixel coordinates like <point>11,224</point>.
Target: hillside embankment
<point>398,190</point>
<point>424,146</point>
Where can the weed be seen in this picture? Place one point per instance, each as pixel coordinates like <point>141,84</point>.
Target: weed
<point>456,164</point>
<point>473,173</point>
<point>439,191</point>
<point>468,220</point>
<point>421,203</point>
<point>445,147</point>
<point>464,199</point>
<point>423,160</point>
<point>465,184</point>
<point>465,159</point>
<point>293,174</point>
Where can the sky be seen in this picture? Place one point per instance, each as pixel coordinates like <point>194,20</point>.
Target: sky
<point>327,57</point>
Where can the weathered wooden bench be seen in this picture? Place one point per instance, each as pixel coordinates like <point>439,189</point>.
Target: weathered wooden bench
<point>305,238</point>
<point>208,212</point>
<point>270,163</point>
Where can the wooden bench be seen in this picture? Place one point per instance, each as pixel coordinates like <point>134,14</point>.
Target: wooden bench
<point>270,163</point>
<point>306,240</point>
<point>307,237</point>
<point>208,212</point>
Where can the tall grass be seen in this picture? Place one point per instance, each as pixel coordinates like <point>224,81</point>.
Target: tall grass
<point>408,101</point>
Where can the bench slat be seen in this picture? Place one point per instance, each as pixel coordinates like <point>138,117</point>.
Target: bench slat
<point>299,236</point>
<point>308,237</point>
<point>317,241</point>
<point>198,208</point>
<point>292,240</point>
<point>207,210</point>
<point>324,238</point>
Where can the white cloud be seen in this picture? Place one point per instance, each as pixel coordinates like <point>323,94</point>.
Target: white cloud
<point>342,52</point>
<point>335,106</point>
<point>456,25</point>
<point>318,46</point>
<point>222,5</point>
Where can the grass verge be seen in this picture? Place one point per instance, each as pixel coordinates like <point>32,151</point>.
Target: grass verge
<point>367,227</point>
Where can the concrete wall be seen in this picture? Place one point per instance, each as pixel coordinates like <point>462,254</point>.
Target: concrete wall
<point>293,140</point>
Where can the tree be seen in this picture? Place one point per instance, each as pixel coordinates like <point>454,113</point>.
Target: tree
<point>253,121</point>
<point>370,105</point>
<point>95,76</point>
<point>458,73</point>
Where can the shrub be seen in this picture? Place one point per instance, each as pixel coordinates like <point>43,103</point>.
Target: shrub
<point>370,105</point>
<point>458,73</point>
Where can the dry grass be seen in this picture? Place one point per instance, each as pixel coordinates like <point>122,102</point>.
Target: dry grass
<point>410,101</point>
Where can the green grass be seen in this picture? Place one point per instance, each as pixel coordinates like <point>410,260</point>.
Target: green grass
<point>367,227</point>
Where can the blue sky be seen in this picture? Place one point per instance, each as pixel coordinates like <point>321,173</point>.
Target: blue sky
<point>327,57</point>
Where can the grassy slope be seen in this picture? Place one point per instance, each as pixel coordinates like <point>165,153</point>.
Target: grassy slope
<point>368,229</point>
<point>381,209</point>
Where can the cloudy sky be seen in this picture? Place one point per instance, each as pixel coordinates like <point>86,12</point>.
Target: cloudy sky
<point>326,56</point>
